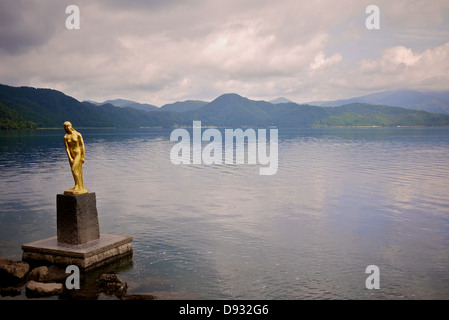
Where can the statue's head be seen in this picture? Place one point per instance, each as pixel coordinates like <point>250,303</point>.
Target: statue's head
<point>68,127</point>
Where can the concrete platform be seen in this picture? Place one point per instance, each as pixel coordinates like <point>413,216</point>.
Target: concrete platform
<point>87,256</point>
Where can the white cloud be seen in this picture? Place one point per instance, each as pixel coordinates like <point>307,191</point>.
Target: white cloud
<point>321,61</point>
<point>401,67</point>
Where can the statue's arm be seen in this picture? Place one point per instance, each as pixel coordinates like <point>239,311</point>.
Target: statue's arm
<point>82,148</point>
<point>68,151</point>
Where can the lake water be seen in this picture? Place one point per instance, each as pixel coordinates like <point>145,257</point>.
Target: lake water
<point>341,200</point>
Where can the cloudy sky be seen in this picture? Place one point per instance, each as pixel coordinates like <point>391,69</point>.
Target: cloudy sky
<point>164,51</point>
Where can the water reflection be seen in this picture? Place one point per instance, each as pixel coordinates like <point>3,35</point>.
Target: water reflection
<point>342,199</point>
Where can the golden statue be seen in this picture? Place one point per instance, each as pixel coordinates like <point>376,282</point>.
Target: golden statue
<point>74,146</point>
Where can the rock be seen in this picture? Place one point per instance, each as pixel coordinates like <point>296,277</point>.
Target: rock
<point>37,274</point>
<point>10,291</point>
<point>137,297</point>
<point>12,271</point>
<point>85,293</point>
<point>41,289</point>
<point>111,284</point>
<point>47,274</point>
<point>56,274</point>
<point>169,295</point>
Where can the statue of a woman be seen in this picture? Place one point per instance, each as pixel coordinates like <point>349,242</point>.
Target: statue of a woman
<point>74,146</point>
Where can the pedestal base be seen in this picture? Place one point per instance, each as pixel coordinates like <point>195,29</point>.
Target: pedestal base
<point>87,256</point>
<point>77,218</point>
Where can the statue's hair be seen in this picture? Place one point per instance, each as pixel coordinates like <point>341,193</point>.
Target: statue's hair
<point>67,123</point>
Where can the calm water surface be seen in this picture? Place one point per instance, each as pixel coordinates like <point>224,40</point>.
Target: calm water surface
<point>342,199</point>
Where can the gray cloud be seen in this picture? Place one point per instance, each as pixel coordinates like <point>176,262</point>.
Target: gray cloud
<point>162,51</point>
<point>25,25</point>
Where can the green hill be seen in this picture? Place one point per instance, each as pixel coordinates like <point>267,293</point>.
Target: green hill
<point>46,108</point>
<point>233,110</point>
<point>11,119</point>
<point>360,114</point>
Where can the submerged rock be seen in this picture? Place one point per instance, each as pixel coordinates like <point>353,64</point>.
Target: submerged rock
<point>112,285</point>
<point>10,291</point>
<point>138,296</point>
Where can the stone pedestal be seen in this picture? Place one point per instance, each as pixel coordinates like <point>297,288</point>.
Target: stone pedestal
<point>78,240</point>
<point>77,218</point>
<point>87,256</point>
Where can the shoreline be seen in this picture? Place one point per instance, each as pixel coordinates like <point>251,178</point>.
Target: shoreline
<point>224,127</point>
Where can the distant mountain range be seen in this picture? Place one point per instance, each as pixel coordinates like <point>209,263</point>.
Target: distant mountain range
<point>180,106</point>
<point>122,103</point>
<point>26,107</point>
<point>437,102</point>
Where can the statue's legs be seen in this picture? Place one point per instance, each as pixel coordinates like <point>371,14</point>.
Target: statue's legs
<point>77,173</point>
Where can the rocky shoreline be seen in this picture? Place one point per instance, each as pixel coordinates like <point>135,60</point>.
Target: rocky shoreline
<point>49,281</point>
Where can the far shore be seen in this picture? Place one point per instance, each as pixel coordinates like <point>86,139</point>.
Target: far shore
<point>222,127</point>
